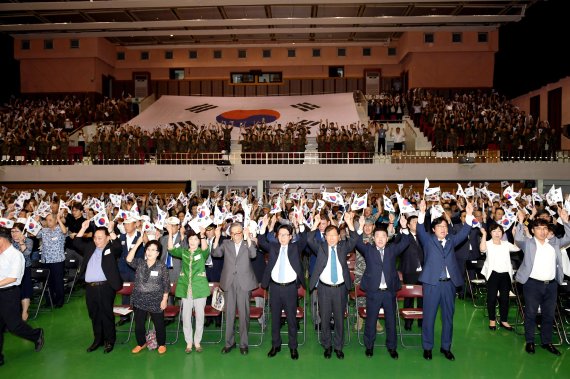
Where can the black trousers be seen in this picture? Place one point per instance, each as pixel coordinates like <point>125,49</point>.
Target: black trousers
<point>100,300</point>
<point>11,317</point>
<point>55,282</point>
<point>498,282</point>
<point>159,327</point>
<point>332,302</point>
<point>283,298</point>
<point>538,294</point>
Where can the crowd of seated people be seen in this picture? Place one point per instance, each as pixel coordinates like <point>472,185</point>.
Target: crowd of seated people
<point>261,138</point>
<point>476,121</point>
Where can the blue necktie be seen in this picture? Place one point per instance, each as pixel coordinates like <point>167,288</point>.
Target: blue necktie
<point>334,274</point>
<point>282,264</point>
<point>168,260</point>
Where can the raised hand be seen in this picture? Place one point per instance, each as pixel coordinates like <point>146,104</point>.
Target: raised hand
<point>423,206</point>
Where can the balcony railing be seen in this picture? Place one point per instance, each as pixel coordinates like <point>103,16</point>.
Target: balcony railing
<point>307,158</point>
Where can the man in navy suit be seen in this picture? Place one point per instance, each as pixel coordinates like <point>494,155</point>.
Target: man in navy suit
<point>440,277</point>
<point>283,275</point>
<point>411,266</point>
<point>467,249</point>
<point>380,281</point>
<point>332,276</point>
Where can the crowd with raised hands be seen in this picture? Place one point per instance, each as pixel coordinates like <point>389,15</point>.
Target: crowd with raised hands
<point>386,106</point>
<point>336,138</point>
<point>39,128</point>
<point>426,234</point>
<point>474,121</point>
<point>291,137</point>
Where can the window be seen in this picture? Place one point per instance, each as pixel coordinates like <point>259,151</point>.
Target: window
<point>168,54</point>
<point>428,38</point>
<point>336,71</point>
<point>316,53</point>
<point>242,54</point>
<point>266,53</point>
<point>144,55</point>
<point>193,54</point>
<point>366,52</point>
<point>48,44</point>
<point>217,54</point>
<point>482,37</point>
<point>120,55</point>
<point>456,37</point>
<point>25,44</point>
<point>74,44</point>
<point>391,51</point>
<point>341,52</point>
<point>291,53</point>
<point>176,73</point>
<point>242,77</point>
<point>270,77</point>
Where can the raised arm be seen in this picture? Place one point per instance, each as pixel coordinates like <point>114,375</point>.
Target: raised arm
<point>133,250</point>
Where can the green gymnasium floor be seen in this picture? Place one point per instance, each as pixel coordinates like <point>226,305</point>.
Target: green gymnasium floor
<point>480,353</point>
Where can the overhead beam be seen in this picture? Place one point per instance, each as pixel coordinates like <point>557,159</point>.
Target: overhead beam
<point>264,31</point>
<point>381,20</point>
<point>146,4</point>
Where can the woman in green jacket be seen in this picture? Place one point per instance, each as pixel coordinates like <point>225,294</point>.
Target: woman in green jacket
<point>192,286</point>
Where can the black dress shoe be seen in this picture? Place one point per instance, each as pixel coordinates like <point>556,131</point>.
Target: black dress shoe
<point>108,348</point>
<point>369,352</point>
<point>294,354</point>
<point>492,327</point>
<point>448,354</point>
<point>40,341</point>
<point>550,348</point>
<point>393,353</point>
<point>227,349</point>
<point>243,350</point>
<point>530,347</point>
<point>94,346</point>
<point>273,352</point>
<point>339,354</point>
<point>328,352</point>
<point>427,355</point>
<point>507,328</point>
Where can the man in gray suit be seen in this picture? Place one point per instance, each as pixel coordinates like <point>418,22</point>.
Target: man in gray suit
<point>540,273</point>
<point>237,281</point>
<point>173,264</point>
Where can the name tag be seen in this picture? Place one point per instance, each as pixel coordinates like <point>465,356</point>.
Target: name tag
<point>202,274</point>
<point>123,242</point>
<point>419,269</point>
<point>154,273</point>
<point>197,257</point>
<point>107,252</point>
<point>177,245</point>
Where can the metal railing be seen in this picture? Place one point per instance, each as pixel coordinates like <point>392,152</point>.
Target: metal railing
<point>308,157</point>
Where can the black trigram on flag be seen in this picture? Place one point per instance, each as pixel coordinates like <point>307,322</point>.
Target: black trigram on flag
<point>305,107</point>
<point>201,108</point>
<point>308,123</point>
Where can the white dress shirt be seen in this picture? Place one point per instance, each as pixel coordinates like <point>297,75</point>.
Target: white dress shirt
<point>326,274</point>
<point>290,274</point>
<point>544,267</point>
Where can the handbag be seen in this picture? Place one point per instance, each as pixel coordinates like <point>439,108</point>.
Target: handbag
<point>218,299</point>
<point>151,343</point>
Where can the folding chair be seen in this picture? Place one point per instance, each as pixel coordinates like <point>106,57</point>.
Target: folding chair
<point>40,277</point>
<point>210,311</point>
<point>257,314</point>
<point>173,312</point>
<point>563,310</point>
<point>71,275</point>
<point>477,285</point>
<point>300,316</point>
<point>410,291</point>
<point>123,310</point>
<point>362,314</point>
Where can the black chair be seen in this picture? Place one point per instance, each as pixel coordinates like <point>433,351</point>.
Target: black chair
<point>476,282</point>
<point>70,276</point>
<point>40,277</point>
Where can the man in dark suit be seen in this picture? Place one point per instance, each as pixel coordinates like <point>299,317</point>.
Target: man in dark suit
<point>332,277</point>
<point>214,268</point>
<point>466,250</point>
<point>540,273</point>
<point>411,266</point>
<point>440,278</point>
<point>283,275</point>
<point>128,240</point>
<point>102,280</point>
<point>237,281</point>
<point>380,281</point>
